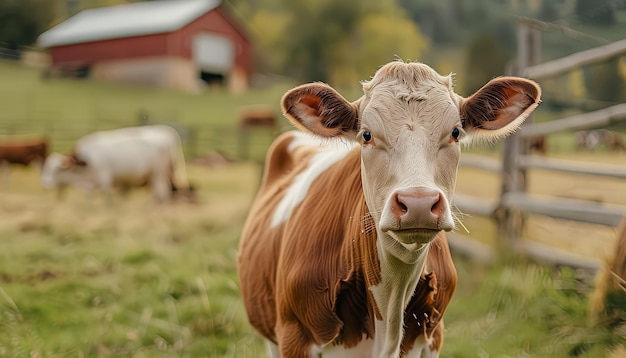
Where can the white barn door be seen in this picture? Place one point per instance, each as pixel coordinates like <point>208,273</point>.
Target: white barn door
<point>213,53</point>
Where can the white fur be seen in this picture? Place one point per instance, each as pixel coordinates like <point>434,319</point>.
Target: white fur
<point>321,161</point>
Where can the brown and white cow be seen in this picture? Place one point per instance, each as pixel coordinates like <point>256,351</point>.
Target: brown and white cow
<point>344,252</point>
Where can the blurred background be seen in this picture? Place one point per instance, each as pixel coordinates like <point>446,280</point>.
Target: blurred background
<point>85,275</point>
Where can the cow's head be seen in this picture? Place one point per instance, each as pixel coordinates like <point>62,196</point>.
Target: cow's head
<point>410,124</point>
<point>59,170</point>
<point>54,163</point>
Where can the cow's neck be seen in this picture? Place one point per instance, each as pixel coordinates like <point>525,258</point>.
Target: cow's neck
<point>400,271</point>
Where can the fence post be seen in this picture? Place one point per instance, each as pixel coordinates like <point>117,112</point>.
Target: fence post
<point>511,221</point>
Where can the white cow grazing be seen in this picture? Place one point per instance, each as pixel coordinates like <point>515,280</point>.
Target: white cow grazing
<point>126,157</point>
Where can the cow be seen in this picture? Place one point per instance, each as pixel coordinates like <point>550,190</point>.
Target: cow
<point>344,251</point>
<point>256,116</point>
<point>539,144</point>
<point>125,157</point>
<point>591,139</point>
<point>24,152</point>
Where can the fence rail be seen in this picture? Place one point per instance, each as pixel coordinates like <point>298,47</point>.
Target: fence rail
<point>570,166</point>
<point>602,117</point>
<point>514,201</point>
<point>564,64</point>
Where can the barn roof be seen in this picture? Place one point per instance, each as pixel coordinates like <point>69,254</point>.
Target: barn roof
<point>141,18</point>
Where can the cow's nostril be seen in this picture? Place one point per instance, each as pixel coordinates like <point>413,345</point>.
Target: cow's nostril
<point>402,207</point>
<point>399,207</point>
<point>438,207</point>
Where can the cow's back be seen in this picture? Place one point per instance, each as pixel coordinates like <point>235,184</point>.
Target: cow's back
<point>133,152</point>
<point>125,158</point>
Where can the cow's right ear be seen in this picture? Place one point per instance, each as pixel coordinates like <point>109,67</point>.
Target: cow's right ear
<point>318,109</point>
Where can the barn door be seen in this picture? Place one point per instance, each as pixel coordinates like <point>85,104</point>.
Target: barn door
<point>213,53</point>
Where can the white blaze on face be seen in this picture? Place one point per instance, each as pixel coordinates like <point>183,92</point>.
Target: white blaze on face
<point>411,151</point>
<point>329,153</point>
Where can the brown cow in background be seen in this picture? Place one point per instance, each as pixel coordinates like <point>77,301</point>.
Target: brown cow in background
<point>257,116</point>
<point>254,116</point>
<point>23,152</point>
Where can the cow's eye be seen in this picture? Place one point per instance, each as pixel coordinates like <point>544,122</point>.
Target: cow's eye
<point>367,136</point>
<point>456,133</point>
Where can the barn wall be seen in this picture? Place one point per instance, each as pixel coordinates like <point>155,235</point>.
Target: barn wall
<point>109,50</point>
<point>167,72</point>
<point>215,22</point>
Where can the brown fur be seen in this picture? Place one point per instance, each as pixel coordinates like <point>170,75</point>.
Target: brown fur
<point>24,152</point>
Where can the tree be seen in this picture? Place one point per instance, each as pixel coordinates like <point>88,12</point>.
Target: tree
<point>604,82</point>
<point>340,42</point>
<point>485,60</point>
<point>21,21</point>
<point>381,37</point>
<point>595,12</point>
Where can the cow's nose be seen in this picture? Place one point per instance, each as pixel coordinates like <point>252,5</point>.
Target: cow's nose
<point>418,208</point>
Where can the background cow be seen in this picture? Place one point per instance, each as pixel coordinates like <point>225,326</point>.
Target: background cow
<point>126,157</point>
<point>22,152</point>
<point>344,251</point>
<point>591,139</point>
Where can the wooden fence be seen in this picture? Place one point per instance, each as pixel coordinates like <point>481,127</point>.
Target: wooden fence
<point>515,202</point>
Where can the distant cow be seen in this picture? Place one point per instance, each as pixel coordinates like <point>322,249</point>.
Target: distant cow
<point>253,116</point>
<point>344,252</point>
<point>591,139</point>
<point>127,157</point>
<point>23,152</point>
<point>539,144</point>
<point>256,116</point>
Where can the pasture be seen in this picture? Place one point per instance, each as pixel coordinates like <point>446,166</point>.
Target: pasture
<point>81,277</point>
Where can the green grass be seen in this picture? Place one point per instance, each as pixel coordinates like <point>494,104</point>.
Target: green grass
<point>85,277</point>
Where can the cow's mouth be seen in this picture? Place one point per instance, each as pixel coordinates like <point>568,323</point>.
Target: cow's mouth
<point>419,236</point>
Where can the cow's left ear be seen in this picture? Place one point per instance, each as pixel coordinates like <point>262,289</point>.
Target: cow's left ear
<point>317,108</point>
<point>499,108</point>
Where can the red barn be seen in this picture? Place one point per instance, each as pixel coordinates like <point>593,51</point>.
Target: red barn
<point>181,44</point>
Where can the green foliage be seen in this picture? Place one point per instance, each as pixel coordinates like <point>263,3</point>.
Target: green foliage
<point>21,21</point>
<point>597,12</point>
<point>340,42</point>
<point>549,10</point>
<point>485,60</point>
<point>605,83</point>
<point>382,37</point>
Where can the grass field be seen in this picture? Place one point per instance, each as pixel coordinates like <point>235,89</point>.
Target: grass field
<point>83,277</point>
